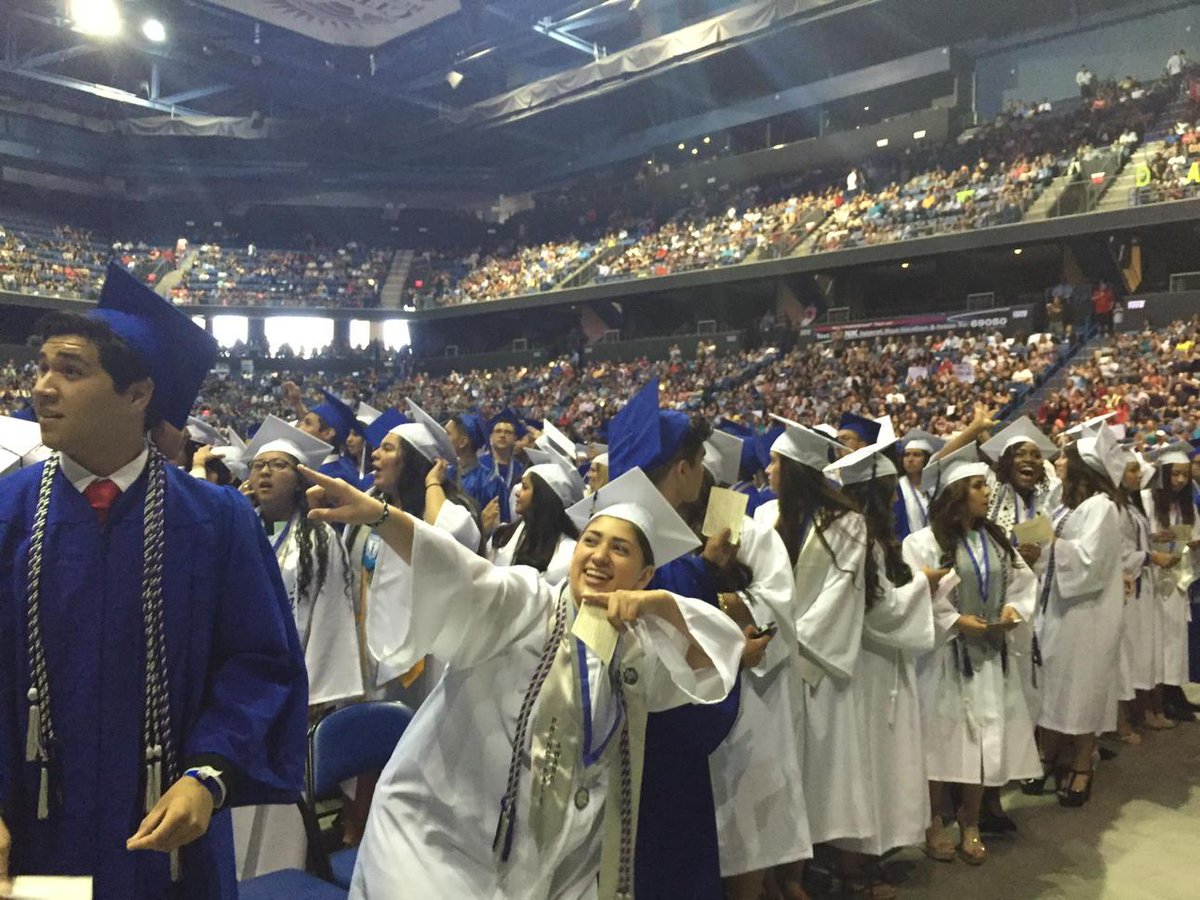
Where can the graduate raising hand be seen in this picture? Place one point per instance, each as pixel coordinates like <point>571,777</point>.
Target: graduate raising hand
<point>335,501</point>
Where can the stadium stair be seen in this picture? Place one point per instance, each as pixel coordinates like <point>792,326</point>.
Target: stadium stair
<point>1117,195</point>
<point>391,295</point>
<point>1053,379</point>
<point>1044,204</point>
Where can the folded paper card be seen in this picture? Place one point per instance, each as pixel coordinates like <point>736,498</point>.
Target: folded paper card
<point>726,509</point>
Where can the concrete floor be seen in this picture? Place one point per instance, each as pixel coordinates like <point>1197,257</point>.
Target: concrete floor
<point>1138,838</point>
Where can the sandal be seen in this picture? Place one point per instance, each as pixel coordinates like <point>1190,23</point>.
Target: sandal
<point>870,886</point>
<point>1159,722</point>
<point>938,844</point>
<point>1132,738</point>
<point>971,848</point>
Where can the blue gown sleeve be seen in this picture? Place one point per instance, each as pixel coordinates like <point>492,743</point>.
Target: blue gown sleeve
<point>256,705</point>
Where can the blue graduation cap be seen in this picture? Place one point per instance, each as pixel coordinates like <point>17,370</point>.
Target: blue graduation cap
<point>472,424</point>
<point>175,351</point>
<point>378,430</point>
<point>644,436</point>
<point>762,444</point>
<point>507,415</point>
<point>750,462</point>
<point>338,416</point>
<point>867,429</point>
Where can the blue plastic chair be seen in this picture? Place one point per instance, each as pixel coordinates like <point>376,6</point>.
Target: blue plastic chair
<point>289,884</point>
<point>352,741</point>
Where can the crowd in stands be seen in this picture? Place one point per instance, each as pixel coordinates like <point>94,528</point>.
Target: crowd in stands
<point>1150,379</point>
<point>346,276</point>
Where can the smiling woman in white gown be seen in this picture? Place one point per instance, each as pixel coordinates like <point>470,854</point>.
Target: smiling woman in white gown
<point>543,536</point>
<point>519,775</point>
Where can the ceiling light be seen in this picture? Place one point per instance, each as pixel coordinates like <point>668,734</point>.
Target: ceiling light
<point>708,140</point>
<point>154,31</point>
<point>1017,251</point>
<point>682,147</point>
<point>917,135</point>
<point>99,18</point>
<point>866,109</point>
<point>778,146</point>
<point>454,79</point>
<point>695,150</point>
<point>882,142</point>
<point>905,265</point>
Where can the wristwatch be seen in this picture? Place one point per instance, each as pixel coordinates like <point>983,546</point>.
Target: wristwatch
<point>211,779</point>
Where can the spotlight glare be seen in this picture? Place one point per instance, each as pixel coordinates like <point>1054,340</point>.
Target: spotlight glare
<point>695,150</point>
<point>882,142</point>
<point>904,265</point>
<point>98,18</point>
<point>682,147</point>
<point>918,135</point>
<point>154,31</point>
<point>708,140</point>
<point>454,78</point>
<point>1017,251</point>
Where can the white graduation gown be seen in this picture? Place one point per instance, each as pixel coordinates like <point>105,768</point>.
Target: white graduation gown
<point>434,817</point>
<point>898,628</point>
<point>267,838</point>
<point>830,606</point>
<point>1079,629</point>
<point>1173,607</point>
<point>977,730</point>
<point>1136,656</point>
<point>756,774</point>
<point>560,562</point>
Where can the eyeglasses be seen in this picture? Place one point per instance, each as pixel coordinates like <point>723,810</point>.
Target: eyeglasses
<point>275,465</point>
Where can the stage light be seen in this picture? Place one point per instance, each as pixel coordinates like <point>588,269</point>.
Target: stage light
<point>905,265</point>
<point>882,142</point>
<point>778,146</point>
<point>866,109</point>
<point>454,79</point>
<point>708,140</point>
<point>154,31</point>
<point>1017,251</point>
<point>682,147</point>
<point>695,150</point>
<point>98,18</point>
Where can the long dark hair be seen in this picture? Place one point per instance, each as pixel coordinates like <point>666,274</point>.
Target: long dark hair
<point>805,493</point>
<point>948,530</point>
<point>877,500</point>
<point>545,522</point>
<point>411,494</point>
<point>1082,482</point>
<point>739,575</point>
<point>309,533</point>
<point>1165,498</point>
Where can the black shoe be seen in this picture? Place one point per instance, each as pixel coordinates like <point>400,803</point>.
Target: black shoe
<point>1107,753</point>
<point>1074,799</point>
<point>1179,713</point>
<point>996,823</point>
<point>1036,787</point>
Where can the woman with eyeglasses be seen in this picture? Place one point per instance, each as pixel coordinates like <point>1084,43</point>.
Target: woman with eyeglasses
<point>315,575</point>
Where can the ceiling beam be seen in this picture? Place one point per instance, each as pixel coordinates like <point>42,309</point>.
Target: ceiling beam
<point>196,94</point>
<point>103,91</point>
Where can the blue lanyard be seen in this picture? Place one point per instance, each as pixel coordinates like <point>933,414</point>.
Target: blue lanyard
<point>283,536</point>
<point>982,577</point>
<point>590,756</point>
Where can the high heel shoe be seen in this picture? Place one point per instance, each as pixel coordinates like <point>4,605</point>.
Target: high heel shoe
<point>1071,798</point>
<point>1036,787</point>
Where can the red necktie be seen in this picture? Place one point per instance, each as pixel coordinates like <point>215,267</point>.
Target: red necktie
<point>101,495</point>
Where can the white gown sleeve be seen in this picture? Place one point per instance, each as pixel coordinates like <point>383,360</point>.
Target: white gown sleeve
<point>673,682</point>
<point>332,656</point>
<point>450,603</point>
<point>1081,569</point>
<point>921,550</point>
<point>770,590</point>
<point>829,632</point>
<point>902,617</point>
<point>1022,593</point>
<point>560,562</point>
<point>457,521</point>
<point>767,514</point>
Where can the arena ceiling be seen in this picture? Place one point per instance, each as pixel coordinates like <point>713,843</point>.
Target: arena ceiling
<point>376,92</point>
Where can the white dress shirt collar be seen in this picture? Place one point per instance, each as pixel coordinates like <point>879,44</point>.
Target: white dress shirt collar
<point>123,478</point>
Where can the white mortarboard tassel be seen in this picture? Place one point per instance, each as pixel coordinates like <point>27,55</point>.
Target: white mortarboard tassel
<point>276,435</point>
<point>635,499</point>
<point>1101,453</point>
<point>941,473</point>
<point>426,435</point>
<point>864,464</point>
<point>1020,431</point>
<point>723,457</point>
<point>804,445</point>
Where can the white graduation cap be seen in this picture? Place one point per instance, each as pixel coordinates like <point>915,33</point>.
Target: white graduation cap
<point>887,431</point>
<point>203,433</point>
<point>601,460</point>
<point>1147,471</point>
<point>1101,453</point>
<point>366,413</point>
<point>426,435</point>
<point>941,473</point>
<point>723,456</point>
<point>807,446</point>
<point>560,477</point>
<point>1020,431</point>
<point>864,464</point>
<point>635,499</point>
<point>1176,453</point>
<point>553,439</point>
<point>20,444</point>
<point>1088,425</point>
<point>827,430</point>
<point>233,455</point>
<point>917,439</point>
<point>276,435</point>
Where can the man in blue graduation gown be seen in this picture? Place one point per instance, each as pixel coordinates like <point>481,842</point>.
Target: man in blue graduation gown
<point>676,853</point>
<point>150,671</point>
<point>332,422</point>
<point>504,430</point>
<point>481,482</point>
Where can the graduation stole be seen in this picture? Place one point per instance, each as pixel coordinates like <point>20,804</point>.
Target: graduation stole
<point>557,745</point>
<point>40,738</point>
<point>981,593</point>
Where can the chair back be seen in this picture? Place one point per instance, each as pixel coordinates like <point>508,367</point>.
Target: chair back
<point>352,741</point>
